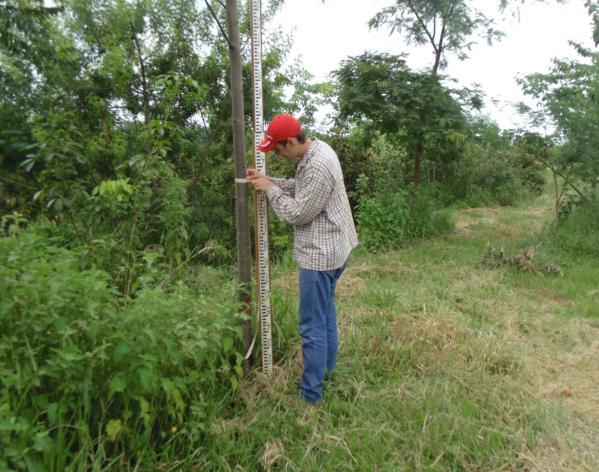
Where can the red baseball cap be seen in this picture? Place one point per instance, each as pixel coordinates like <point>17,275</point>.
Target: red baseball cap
<point>281,127</point>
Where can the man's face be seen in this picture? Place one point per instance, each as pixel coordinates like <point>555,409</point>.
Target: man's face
<point>289,150</point>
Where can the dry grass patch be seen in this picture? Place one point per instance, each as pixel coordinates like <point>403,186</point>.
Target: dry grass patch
<point>560,359</point>
<point>259,387</point>
<point>569,378</point>
<point>500,220</point>
<point>273,452</point>
<point>573,449</point>
<point>350,284</point>
<point>467,220</point>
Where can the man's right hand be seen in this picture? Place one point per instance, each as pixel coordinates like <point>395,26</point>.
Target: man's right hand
<point>258,180</point>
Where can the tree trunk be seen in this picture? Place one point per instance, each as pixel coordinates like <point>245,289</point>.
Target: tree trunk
<point>417,165</point>
<point>241,190</point>
<point>557,196</point>
<point>144,80</point>
<point>440,47</point>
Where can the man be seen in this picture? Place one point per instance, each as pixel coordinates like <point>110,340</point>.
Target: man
<point>316,204</point>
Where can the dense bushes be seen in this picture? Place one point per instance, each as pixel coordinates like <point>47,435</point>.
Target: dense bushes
<point>578,231</point>
<point>388,221</point>
<point>488,180</point>
<point>495,168</point>
<point>87,372</point>
<point>389,213</point>
<point>488,167</point>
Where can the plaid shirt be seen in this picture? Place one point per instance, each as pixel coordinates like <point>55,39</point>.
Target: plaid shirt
<point>316,204</point>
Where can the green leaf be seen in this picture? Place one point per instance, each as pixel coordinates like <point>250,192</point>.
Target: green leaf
<point>52,413</point>
<point>145,377</point>
<point>28,164</point>
<point>9,426</point>
<point>33,464</point>
<point>117,384</point>
<point>43,443</point>
<point>144,411</point>
<point>122,350</point>
<point>41,401</point>
<point>113,428</point>
<point>228,344</point>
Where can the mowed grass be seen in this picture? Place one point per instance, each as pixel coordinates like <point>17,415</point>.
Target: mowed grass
<point>445,364</point>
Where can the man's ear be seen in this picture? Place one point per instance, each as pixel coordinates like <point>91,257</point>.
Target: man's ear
<point>293,141</point>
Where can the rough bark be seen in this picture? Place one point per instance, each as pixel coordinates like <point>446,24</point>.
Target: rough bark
<point>241,189</point>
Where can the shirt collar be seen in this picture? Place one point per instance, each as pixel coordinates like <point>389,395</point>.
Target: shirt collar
<point>311,149</point>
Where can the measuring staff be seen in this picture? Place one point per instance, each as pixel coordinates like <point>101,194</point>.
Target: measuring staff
<point>316,204</point>
<point>261,228</point>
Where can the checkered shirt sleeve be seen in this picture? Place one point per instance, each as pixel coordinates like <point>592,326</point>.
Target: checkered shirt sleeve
<point>288,186</point>
<point>316,204</point>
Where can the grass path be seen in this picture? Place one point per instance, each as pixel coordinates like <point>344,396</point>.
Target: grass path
<point>445,364</point>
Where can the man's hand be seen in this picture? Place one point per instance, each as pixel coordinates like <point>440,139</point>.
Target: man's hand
<point>258,181</point>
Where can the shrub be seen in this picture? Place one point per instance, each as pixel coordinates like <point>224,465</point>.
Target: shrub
<point>487,178</point>
<point>578,230</point>
<point>88,374</point>
<point>383,220</point>
<point>387,215</point>
<point>356,157</point>
<point>387,220</point>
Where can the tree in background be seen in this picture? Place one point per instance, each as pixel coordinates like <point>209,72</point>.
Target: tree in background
<point>593,9</point>
<point>568,97</point>
<point>116,123</point>
<point>446,25</point>
<point>24,49</point>
<point>549,153</point>
<point>380,93</point>
<point>499,166</point>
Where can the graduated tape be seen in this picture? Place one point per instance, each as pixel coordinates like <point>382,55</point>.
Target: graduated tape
<point>261,202</point>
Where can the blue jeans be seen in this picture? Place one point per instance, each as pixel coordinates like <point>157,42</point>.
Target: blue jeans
<point>318,328</point>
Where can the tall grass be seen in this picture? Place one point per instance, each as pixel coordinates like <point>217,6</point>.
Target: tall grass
<point>89,375</point>
<point>578,232</point>
<point>445,364</point>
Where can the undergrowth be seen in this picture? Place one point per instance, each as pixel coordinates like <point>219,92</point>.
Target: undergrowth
<point>446,363</point>
<point>90,375</point>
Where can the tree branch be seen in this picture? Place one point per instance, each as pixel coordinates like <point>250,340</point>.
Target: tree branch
<point>566,177</point>
<point>144,83</point>
<point>423,25</point>
<point>439,50</point>
<point>218,22</point>
<point>566,181</point>
<point>247,40</point>
<point>15,182</point>
<point>569,182</point>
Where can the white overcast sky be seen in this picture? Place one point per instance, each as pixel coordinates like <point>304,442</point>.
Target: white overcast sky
<point>326,33</point>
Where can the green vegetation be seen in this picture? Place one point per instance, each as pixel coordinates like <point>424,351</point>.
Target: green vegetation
<point>88,373</point>
<point>445,364</point>
<point>120,338</point>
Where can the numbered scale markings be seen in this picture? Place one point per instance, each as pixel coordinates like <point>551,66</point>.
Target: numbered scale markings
<point>261,229</point>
